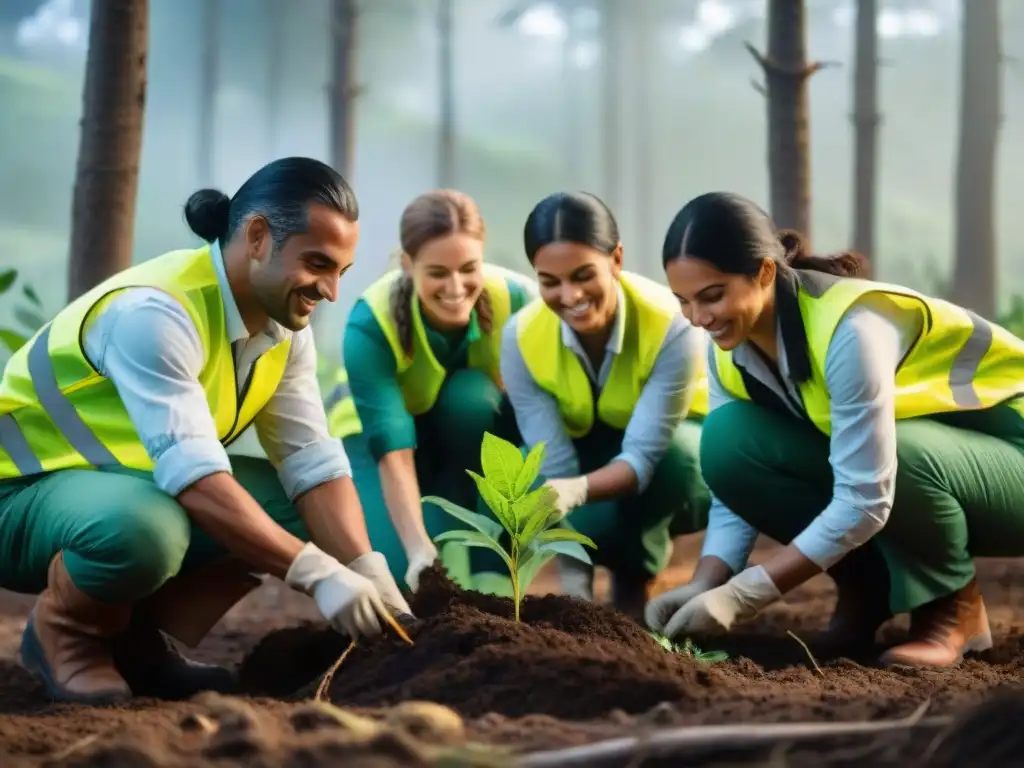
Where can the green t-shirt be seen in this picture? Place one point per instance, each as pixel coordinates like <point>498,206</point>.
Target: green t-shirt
<point>371,368</point>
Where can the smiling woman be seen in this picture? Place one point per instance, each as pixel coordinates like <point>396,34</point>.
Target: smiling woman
<point>627,463</point>
<point>421,356</point>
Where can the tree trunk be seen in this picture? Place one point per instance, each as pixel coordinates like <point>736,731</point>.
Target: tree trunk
<point>974,276</point>
<point>644,43</point>
<point>107,176</point>
<point>612,40</point>
<point>209,80</point>
<point>275,22</point>
<point>865,121</point>
<point>786,72</point>
<point>344,17</point>
<point>446,77</point>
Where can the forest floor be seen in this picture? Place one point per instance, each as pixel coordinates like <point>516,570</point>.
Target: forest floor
<point>569,675</point>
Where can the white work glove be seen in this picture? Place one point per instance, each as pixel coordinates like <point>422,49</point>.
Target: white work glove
<point>718,610</point>
<point>350,602</point>
<point>663,607</point>
<point>420,559</point>
<point>374,567</point>
<point>571,492</point>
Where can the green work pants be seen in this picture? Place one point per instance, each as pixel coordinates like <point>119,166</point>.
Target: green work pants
<point>959,490</point>
<point>634,533</point>
<point>122,536</point>
<point>448,441</point>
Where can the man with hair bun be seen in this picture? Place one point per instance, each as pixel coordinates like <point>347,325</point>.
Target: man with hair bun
<point>119,505</point>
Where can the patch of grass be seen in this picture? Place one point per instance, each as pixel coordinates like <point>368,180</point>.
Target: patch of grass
<point>691,649</point>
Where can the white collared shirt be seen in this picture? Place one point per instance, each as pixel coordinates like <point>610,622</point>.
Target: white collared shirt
<point>664,401</point>
<point>147,345</point>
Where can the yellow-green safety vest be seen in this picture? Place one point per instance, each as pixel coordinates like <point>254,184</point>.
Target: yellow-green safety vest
<point>420,375</point>
<point>649,311</point>
<point>58,412</point>
<point>959,362</point>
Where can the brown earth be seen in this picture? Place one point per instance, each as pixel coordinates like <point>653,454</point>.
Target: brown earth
<point>569,674</point>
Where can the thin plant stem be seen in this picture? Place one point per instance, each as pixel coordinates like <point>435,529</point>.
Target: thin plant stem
<point>326,682</point>
<point>807,651</point>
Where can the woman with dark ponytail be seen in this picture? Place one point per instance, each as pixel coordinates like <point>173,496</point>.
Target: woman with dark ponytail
<point>863,425</point>
<point>604,370</point>
<point>421,382</point>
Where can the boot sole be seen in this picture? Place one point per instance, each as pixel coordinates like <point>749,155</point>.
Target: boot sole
<point>34,660</point>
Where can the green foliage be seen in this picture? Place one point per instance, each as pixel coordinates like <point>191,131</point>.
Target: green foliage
<point>30,317</point>
<point>1013,319</point>
<point>523,514</point>
<point>689,648</point>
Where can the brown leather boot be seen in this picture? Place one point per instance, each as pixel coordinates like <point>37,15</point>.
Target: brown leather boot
<point>943,630</point>
<point>67,641</point>
<point>186,607</point>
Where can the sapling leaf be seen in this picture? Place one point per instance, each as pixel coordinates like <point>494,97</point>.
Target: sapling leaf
<point>31,295</point>
<point>486,526</point>
<point>12,340</point>
<point>501,462</point>
<point>475,539</point>
<point>7,278</point>
<point>530,470</point>
<point>530,562</point>
<point>569,548</point>
<point>531,513</point>
<point>564,534</point>
<point>495,500</point>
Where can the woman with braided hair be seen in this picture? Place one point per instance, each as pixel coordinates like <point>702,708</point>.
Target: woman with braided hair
<point>421,354</point>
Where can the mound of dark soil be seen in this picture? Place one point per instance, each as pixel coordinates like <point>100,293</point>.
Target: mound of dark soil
<point>566,658</point>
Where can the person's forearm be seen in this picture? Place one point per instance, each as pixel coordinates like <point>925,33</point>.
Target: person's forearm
<point>334,518</point>
<point>614,480</point>
<point>711,571</point>
<point>401,491</point>
<point>224,509</point>
<point>789,568</point>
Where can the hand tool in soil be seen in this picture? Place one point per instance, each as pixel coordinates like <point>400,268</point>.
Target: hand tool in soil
<point>524,513</point>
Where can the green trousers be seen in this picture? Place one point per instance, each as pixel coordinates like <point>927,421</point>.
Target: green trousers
<point>122,536</point>
<point>448,441</point>
<point>634,534</point>
<point>959,491</point>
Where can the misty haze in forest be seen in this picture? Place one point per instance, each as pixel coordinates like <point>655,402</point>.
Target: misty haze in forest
<point>529,113</point>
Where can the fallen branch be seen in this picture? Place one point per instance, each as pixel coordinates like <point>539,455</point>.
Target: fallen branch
<point>733,735</point>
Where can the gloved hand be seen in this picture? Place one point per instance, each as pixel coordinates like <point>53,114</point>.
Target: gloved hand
<point>660,609</point>
<point>420,559</point>
<point>718,610</point>
<point>571,492</point>
<point>374,567</point>
<point>350,602</point>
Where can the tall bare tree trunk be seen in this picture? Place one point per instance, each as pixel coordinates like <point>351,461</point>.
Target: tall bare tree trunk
<point>974,274</point>
<point>209,76</point>
<point>787,72</point>
<point>612,22</point>
<point>643,30</point>
<point>344,20</point>
<point>446,170</point>
<point>865,121</point>
<point>107,177</point>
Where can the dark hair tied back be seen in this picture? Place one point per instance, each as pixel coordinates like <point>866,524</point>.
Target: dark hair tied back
<point>207,212</point>
<point>843,264</point>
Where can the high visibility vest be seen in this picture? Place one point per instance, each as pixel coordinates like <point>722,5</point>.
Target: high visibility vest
<point>959,362</point>
<point>58,412</point>
<point>649,311</point>
<point>420,375</point>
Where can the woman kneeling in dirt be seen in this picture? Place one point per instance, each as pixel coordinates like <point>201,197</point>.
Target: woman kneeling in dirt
<point>626,464</point>
<point>421,353</point>
<point>875,431</point>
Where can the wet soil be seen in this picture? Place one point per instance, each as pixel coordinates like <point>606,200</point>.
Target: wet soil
<point>569,674</point>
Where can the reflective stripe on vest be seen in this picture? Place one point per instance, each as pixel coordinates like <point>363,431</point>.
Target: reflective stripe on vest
<point>57,412</point>
<point>648,314</point>
<point>420,375</point>
<point>959,361</point>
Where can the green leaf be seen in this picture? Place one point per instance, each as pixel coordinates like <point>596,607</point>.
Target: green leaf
<point>530,471</point>
<point>12,340</point>
<point>569,548</point>
<point>492,497</point>
<point>501,462</point>
<point>531,513</point>
<point>7,278</point>
<point>475,539</point>
<point>30,293</point>
<point>530,563</point>
<point>29,318</point>
<point>485,525</point>
<point>564,534</point>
